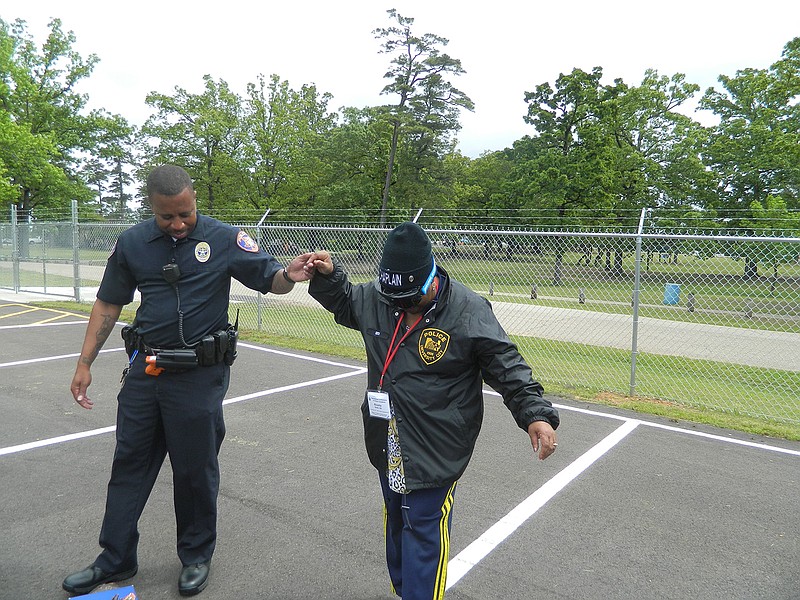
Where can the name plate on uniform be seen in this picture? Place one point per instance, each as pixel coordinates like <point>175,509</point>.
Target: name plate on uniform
<point>123,593</point>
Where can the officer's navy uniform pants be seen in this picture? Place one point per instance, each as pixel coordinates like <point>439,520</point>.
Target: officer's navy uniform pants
<point>417,528</point>
<point>179,414</point>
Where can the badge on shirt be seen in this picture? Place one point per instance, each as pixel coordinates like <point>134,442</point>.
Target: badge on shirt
<point>246,243</point>
<point>378,403</point>
<point>202,252</point>
<point>432,345</point>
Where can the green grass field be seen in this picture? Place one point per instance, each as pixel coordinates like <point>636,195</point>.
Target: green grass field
<point>751,399</point>
<point>719,395</point>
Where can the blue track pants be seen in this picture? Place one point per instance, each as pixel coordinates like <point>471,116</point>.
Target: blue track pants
<point>417,529</point>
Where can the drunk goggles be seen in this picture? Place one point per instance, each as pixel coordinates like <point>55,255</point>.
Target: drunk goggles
<point>405,299</point>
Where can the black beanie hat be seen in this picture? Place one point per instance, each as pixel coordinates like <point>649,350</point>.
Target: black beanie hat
<point>407,259</point>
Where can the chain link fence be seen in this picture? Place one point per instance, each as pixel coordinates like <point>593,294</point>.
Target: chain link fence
<point>708,322</point>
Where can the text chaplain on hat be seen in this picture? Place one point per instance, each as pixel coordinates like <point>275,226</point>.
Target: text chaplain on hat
<point>407,266</point>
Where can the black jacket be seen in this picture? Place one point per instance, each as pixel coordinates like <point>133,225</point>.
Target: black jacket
<point>435,379</point>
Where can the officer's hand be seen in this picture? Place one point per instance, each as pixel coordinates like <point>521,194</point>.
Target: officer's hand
<point>543,438</point>
<point>320,262</point>
<point>80,383</point>
<point>296,269</point>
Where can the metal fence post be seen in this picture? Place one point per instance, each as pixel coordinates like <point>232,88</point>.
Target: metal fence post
<point>76,255</point>
<point>636,280</point>
<point>262,240</point>
<point>14,249</point>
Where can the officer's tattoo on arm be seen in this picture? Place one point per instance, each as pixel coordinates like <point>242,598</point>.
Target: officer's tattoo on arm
<point>101,335</point>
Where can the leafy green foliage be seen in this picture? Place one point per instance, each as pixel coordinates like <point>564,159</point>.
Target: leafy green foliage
<point>47,137</point>
<point>426,111</point>
<point>755,149</point>
<point>598,152</point>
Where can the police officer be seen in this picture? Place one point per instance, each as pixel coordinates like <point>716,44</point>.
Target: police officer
<point>430,344</point>
<point>180,349</point>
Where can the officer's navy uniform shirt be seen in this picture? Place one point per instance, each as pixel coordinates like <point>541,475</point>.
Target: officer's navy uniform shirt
<point>207,258</point>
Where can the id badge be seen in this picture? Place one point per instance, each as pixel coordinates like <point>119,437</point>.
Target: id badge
<point>379,405</point>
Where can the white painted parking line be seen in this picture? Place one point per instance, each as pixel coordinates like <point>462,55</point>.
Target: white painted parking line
<point>29,325</point>
<point>56,440</point>
<point>94,432</point>
<point>301,356</point>
<point>294,386</point>
<point>470,556</point>
<point>498,533</point>
<point>721,438</point>
<point>31,361</point>
<point>683,430</point>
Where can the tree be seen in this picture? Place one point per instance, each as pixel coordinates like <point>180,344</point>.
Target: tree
<point>26,165</point>
<point>772,218</point>
<point>755,148</point>
<point>564,166</point>
<point>41,117</point>
<point>9,138</point>
<point>428,104</point>
<point>602,153</point>
<point>202,133</point>
<point>567,167</point>
<point>658,147</point>
<point>482,179</point>
<point>354,154</point>
<point>113,143</point>
<point>657,151</point>
<point>285,131</point>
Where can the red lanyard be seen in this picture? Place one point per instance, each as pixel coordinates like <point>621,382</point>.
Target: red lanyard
<point>392,348</point>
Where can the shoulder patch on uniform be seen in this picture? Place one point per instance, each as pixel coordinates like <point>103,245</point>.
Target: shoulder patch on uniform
<point>245,242</point>
<point>202,252</point>
<point>432,345</point>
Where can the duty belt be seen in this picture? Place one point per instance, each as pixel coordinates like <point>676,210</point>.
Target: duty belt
<point>212,349</point>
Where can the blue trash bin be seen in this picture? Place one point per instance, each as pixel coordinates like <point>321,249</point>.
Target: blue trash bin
<point>672,293</point>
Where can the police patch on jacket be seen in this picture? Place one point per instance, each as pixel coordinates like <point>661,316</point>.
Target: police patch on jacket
<point>245,242</point>
<point>432,345</point>
<point>202,252</point>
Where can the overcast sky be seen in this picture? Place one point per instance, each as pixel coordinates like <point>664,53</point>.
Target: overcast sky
<point>507,47</point>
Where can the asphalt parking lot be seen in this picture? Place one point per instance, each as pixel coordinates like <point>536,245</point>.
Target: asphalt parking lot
<point>629,507</point>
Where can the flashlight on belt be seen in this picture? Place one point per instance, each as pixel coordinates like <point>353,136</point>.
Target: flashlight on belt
<point>172,360</point>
